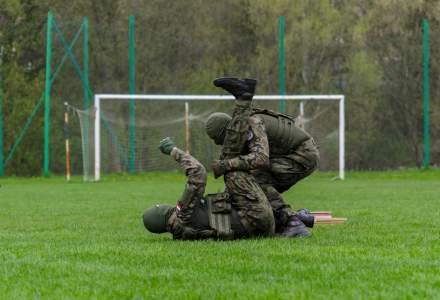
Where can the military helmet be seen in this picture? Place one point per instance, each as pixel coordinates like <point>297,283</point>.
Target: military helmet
<point>156,218</point>
<point>216,126</point>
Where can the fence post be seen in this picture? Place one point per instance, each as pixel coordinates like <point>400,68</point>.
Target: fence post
<point>2,161</point>
<point>282,104</point>
<point>85,81</point>
<point>132,101</point>
<point>47,94</point>
<point>86,63</point>
<point>426,91</point>
<point>187,129</point>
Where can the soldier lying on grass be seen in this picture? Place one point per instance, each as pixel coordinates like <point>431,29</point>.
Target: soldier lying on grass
<point>242,211</point>
<point>213,216</point>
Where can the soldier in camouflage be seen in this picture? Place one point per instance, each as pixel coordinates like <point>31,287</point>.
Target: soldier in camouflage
<point>286,154</point>
<point>221,216</point>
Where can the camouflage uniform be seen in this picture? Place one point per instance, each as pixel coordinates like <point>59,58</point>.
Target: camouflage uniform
<point>190,220</point>
<point>281,171</point>
<point>239,155</point>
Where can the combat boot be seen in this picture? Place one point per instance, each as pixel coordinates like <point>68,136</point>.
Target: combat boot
<point>305,217</point>
<point>242,89</point>
<point>295,228</point>
<point>251,83</point>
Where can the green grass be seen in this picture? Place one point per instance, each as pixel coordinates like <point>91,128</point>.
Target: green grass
<point>63,241</point>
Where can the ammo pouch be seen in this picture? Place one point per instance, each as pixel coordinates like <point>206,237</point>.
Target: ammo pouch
<point>219,211</point>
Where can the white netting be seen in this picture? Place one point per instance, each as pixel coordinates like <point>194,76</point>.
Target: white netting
<point>156,119</point>
<point>86,121</point>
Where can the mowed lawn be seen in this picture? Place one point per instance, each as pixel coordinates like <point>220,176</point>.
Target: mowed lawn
<point>75,240</point>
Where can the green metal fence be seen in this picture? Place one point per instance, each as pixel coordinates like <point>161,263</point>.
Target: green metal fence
<point>426,160</point>
<point>2,167</point>
<point>145,55</point>
<point>54,29</point>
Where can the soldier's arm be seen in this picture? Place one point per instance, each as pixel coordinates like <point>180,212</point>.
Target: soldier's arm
<point>196,177</point>
<point>258,144</point>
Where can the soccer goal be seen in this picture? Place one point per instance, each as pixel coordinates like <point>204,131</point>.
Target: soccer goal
<point>122,132</point>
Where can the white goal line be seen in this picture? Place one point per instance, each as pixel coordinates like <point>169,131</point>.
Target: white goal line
<point>340,98</point>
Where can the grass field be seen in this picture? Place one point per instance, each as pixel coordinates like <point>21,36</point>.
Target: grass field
<point>76,240</point>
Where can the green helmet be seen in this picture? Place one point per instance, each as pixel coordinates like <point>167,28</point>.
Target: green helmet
<point>216,126</point>
<point>156,218</point>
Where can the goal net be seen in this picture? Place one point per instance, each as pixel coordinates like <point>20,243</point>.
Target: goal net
<point>121,133</point>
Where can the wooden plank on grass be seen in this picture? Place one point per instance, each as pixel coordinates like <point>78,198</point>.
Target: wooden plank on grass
<point>330,220</point>
<point>321,213</point>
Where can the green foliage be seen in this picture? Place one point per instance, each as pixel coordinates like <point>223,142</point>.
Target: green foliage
<point>83,241</point>
<point>371,51</point>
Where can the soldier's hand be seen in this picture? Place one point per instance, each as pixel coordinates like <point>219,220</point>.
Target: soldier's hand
<point>166,145</point>
<point>219,168</point>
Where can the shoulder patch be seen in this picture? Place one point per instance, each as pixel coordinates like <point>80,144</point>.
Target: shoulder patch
<point>250,135</point>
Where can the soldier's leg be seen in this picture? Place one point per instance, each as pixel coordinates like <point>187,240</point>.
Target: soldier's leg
<point>287,222</point>
<point>282,211</point>
<point>251,203</point>
<point>289,169</point>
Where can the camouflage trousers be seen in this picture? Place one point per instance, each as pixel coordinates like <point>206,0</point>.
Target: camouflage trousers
<point>283,172</point>
<point>251,204</point>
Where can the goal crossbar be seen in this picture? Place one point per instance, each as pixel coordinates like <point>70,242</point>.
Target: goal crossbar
<point>215,97</point>
<point>101,97</point>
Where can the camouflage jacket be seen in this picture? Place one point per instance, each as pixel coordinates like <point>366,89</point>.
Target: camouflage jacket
<point>186,222</point>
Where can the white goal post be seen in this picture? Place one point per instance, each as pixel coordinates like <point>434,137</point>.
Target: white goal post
<point>125,97</point>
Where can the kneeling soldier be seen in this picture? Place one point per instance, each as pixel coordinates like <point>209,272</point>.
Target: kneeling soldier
<point>213,216</point>
<point>292,152</point>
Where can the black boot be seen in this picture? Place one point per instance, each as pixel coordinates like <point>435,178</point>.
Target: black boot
<point>242,89</point>
<point>251,83</point>
<point>295,228</point>
<point>305,217</point>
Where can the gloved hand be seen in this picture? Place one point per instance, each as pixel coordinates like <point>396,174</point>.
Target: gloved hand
<point>219,168</point>
<point>166,145</point>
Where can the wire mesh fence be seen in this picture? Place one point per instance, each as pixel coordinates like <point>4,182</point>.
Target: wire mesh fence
<point>330,48</point>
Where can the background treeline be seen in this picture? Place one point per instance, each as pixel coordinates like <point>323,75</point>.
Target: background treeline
<point>369,50</point>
